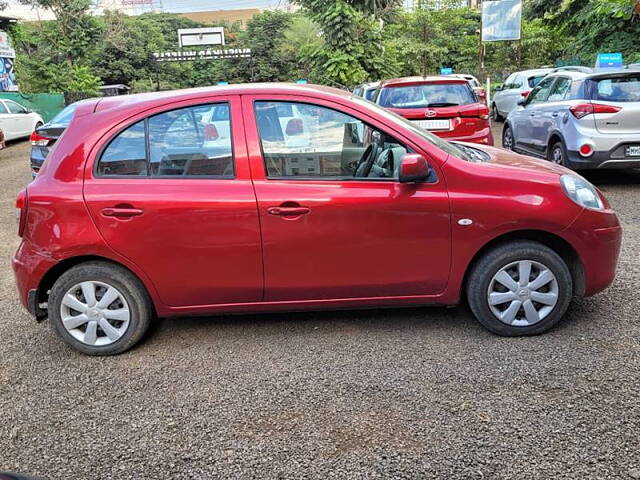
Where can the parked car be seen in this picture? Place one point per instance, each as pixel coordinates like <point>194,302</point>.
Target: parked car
<point>580,120</point>
<point>366,90</point>
<point>516,87</point>
<point>17,121</point>
<point>481,93</point>
<point>445,105</point>
<point>45,136</point>
<point>139,216</point>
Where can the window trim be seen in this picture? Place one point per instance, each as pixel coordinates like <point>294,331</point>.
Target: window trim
<point>319,178</point>
<point>148,176</point>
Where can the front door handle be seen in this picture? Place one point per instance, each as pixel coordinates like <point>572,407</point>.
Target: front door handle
<point>123,212</point>
<point>288,211</point>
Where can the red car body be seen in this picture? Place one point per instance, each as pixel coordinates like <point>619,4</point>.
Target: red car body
<point>212,245</point>
<point>467,122</point>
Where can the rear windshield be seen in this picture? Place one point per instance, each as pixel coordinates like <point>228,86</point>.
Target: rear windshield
<point>428,95</point>
<point>65,116</point>
<point>534,81</point>
<point>618,89</point>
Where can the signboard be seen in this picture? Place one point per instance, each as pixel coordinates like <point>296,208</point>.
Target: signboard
<point>609,60</point>
<point>191,37</point>
<point>209,54</point>
<point>5,46</point>
<point>7,76</point>
<point>501,20</point>
<point>136,2</point>
<point>446,71</point>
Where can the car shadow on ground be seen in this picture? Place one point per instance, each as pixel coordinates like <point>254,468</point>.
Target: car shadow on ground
<point>612,177</point>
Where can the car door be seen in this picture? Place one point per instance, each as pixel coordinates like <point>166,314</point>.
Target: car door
<point>328,231</point>
<point>510,95</point>
<point>551,113</point>
<point>180,204</point>
<point>530,119</point>
<point>21,117</point>
<point>6,122</point>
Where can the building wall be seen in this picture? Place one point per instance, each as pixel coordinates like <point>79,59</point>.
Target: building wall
<point>215,16</point>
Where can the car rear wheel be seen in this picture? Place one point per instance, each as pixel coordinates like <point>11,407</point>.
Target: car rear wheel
<point>557,154</point>
<point>519,288</point>
<point>99,308</point>
<point>507,138</point>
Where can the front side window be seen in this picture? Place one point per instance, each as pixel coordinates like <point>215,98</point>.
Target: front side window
<point>427,95</point>
<point>15,108</point>
<point>3,109</point>
<point>561,90</point>
<point>304,140</point>
<point>191,141</point>
<point>541,92</point>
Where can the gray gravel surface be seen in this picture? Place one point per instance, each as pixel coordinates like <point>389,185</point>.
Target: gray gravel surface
<point>413,393</point>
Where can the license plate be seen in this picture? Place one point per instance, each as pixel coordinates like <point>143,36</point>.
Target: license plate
<point>633,151</point>
<point>434,124</point>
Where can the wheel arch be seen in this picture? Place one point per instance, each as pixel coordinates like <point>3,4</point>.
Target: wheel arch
<point>554,137</point>
<point>50,277</point>
<point>553,241</point>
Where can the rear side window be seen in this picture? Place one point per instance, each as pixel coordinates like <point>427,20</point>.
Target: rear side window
<point>427,95</point>
<point>620,89</point>
<point>126,154</point>
<point>534,81</point>
<point>186,142</point>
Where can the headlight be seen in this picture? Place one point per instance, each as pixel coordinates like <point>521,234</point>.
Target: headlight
<point>581,192</point>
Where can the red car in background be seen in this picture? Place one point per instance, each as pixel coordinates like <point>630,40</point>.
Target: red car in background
<point>446,106</point>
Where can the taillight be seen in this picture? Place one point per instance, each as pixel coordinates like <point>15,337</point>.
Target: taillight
<point>583,109</point>
<point>21,211</point>
<point>210,132</point>
<point>525,94</point>
<point>483,113</point>
<point>38,140</point>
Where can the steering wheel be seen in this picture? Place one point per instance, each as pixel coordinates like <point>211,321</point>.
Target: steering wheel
<point>366,161</point>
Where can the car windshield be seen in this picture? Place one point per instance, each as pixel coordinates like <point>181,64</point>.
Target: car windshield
<point>66,115</point>
<point>618,89</point>
<point>368,94</point>
<point>534,81</point>
<point>427,95</point>
<point>447,147</point>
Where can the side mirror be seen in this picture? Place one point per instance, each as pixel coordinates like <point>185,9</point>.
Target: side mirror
<point>499,88</point>
<point>522,102</point>
<point>413,168</point>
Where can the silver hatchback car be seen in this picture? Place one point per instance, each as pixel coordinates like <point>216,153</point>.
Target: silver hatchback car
<point>517,86</point>
<point>580,120</point>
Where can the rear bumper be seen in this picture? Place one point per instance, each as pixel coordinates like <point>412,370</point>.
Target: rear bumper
<point>483,137</point>
<point>29,267</point>
<point>597,237</point>
<point>613,158</point>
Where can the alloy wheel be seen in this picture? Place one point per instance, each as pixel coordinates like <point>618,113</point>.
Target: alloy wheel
<point>95,313</point>
<point>523,293</point>
<point>557,155</point>
<point>507,139</point>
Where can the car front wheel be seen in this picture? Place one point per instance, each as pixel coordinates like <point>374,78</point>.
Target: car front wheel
<point>495,114</point>
<point>519,288</point>
<point>507,138</point>
<point>99,308</point>
<point>557,154</point>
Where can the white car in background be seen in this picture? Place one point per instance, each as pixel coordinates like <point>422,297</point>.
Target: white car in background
<point>17,121</point>
<point>516,87</point>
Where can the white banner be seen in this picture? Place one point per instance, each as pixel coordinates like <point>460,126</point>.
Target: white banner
<point>501,20</point>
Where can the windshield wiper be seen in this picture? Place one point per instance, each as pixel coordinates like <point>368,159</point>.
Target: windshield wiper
<point>442,104</point>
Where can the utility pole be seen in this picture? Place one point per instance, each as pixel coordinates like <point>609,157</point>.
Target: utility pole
<point>520,39</point>
<point>481,53</point>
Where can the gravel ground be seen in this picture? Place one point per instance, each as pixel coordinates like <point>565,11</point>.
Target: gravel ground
<point>413,393</point>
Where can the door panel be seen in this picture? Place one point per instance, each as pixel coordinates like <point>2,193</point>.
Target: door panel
<point>193,231</point>
<point>353,237</point>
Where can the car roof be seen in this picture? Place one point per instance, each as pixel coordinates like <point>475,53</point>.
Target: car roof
<point>396,82</point>
<point>536,71</point>
<point>158,98</point>
<point>371,85</point>
<point>596,73</point>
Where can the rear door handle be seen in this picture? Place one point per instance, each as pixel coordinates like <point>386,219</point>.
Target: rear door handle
<point>555,114</point>
<point>121,212</point>
<point>288,211</point>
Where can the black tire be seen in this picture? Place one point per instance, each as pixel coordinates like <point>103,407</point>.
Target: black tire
<point>495,115</point>
<point>558,154</point>
<point>493,261</point>
<point>139,303</point>
<point>506,144</point>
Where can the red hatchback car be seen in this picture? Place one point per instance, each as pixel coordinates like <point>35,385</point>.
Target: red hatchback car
<point>259,198</point>
<point>446,106</point>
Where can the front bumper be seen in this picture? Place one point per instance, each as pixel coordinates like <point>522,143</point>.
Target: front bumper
<point>597,237</point>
